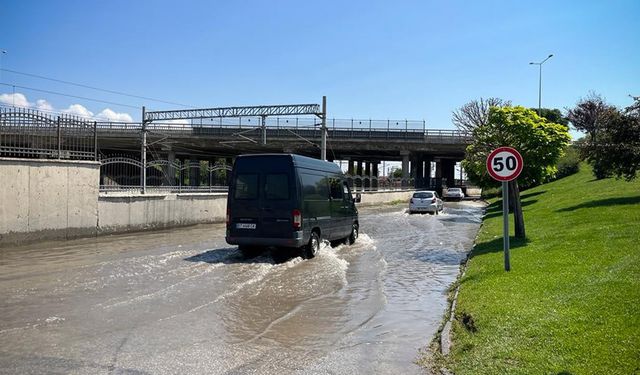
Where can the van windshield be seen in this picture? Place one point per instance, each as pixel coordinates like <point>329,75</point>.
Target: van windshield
<point>246,186</point>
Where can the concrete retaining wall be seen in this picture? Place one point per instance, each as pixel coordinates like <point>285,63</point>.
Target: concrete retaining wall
<point>380,197</point>
<point>47,199</point>
<point>122,213</point>
<point>56,199</point>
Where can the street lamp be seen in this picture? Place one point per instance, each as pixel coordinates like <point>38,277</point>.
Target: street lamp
<point>2,52</point>
<point>540,82</point>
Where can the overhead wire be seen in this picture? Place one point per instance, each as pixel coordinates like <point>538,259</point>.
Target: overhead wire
<point>94,88</point>
<point>69,95</point>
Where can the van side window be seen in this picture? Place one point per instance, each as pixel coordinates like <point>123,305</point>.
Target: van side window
<point>314,187</point>
<point>246,186</point>
<point>276,187</point>
<point>345,191</point>
<point>336,189</point>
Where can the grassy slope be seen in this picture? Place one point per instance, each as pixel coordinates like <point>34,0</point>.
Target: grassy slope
<point>571,303</point>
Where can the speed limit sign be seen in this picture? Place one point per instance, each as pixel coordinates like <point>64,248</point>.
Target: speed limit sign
<point>504,164</point>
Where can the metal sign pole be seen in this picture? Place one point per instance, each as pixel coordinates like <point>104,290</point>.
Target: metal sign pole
<point>505,226</point>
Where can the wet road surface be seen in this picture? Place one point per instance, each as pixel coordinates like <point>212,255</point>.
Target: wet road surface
<point>182,301</point>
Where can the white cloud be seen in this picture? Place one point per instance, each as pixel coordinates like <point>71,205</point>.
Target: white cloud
<point>111,115</point>
<point>176,122</point>
<point>78,110</point>
<point>43,105</point>
<point>17,99</point>
<point>20,100</point>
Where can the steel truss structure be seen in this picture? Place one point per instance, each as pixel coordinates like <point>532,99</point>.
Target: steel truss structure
<point>257,111</point>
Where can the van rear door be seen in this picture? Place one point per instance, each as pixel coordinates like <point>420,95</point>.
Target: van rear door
<point>263,196</point>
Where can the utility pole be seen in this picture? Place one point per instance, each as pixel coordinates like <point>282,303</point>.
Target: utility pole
<point>143,154</point>
<point>264,130</point>
<point>323,128</point>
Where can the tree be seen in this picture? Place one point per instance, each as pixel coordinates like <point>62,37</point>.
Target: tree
<point>612,144</point>
<point>591,115</point>
<point>475,113</point>
<point>552,115</point>
<point>396,173</point>
<point>539,141</point>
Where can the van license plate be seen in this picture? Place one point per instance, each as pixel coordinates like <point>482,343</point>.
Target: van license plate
<point>246,226</point>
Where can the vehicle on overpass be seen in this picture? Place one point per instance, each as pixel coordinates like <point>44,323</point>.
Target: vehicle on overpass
<point>291,201</point>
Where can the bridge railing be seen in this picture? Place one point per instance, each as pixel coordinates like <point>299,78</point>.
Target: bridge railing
<point>287,130</point>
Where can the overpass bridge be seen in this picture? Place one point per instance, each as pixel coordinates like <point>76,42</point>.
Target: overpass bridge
<point>213,138</point>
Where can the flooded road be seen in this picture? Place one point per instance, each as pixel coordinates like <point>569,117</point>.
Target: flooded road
<point>183,301</point>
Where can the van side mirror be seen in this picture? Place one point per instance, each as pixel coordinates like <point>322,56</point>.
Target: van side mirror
<point>358,198</point>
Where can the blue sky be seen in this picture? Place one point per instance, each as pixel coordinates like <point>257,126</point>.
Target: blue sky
<point>381,59</point>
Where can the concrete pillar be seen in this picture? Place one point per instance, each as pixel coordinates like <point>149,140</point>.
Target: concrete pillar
<point>367,173</point>
<point>405,166</point>
<point>449,171</point>
<point>374,181</point>
<point>170,171</point>
<point>350,168</point>
<point>194,171</point>
<point>420,172</point>
<point>229,164</point>
<point>359,168</point>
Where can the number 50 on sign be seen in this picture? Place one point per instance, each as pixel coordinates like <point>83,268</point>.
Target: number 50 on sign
<point>504,164</point>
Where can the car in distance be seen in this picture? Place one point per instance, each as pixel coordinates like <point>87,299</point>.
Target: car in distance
<point>288,201</point>
<point>453,193</point>
<point>425,201</point>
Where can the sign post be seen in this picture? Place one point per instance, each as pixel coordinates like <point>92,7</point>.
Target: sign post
<point>505,164</point>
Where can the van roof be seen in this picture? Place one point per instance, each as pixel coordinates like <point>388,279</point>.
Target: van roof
<point>302,161</point>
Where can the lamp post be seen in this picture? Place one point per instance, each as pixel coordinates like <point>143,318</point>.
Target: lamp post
<point>540,82</point>
<point>2,52</point>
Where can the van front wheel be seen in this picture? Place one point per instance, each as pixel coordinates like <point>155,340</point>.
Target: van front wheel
<point>313,247</point>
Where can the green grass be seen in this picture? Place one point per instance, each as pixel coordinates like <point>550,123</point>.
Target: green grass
<point>571,303</point>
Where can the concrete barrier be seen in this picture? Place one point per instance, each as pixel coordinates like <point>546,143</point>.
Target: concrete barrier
<point>47,199</point>
<point>131,212</point>
<point>372,198</point>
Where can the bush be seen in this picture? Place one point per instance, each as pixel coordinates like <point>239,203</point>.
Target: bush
<point>569,163</point>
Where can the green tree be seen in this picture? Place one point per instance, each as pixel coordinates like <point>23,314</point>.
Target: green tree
<point>612,143</point>
<point>396,173</point>
<point>539,141</point>
<point>552,115</point>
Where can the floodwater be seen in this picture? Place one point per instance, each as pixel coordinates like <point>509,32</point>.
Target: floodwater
<point>182,301</point>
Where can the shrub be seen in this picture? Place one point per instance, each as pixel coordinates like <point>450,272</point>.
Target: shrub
<point>569,163</point>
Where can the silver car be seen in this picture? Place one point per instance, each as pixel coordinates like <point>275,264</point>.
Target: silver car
<point>453,193</point>
<point>425,201</point>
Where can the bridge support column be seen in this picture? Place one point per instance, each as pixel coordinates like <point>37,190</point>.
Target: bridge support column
<point>228,162</point>
<point>169,170</point>
<point>194,171</point>
<point>367,173</point>
<point>405,168</point>
<point>420,172</point>
<point>359,182</point>
<point>374,181</point>
<point>350,168</point>
<point>449,172</point>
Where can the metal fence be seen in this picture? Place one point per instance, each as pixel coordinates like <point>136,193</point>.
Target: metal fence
<point>124,174</point>
<point>31,133</point>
